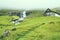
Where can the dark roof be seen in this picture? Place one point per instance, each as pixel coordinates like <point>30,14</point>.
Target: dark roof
<point>48,10</point>
<point>18,13</point>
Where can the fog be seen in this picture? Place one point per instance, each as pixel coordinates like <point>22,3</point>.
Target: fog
<point>29,4</point>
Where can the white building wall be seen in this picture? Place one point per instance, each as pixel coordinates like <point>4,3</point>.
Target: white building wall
<point>24,14</point>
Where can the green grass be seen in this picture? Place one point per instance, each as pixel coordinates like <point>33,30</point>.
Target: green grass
<point>36,28</point>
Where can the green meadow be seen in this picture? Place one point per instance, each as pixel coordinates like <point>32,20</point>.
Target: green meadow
<point>34,27</point>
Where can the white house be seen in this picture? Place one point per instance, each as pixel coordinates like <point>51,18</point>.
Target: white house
<point>22,16</point>
<point>49,12</point>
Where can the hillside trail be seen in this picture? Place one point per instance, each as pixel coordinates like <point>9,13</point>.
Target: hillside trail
<point>29,30</point>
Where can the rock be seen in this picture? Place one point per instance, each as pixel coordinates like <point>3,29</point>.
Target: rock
<point>13,29</point>
<point>51,23</point>
<point>6,33</point>
<point>42,23</point>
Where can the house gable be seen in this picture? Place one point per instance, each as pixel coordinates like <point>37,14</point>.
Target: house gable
<point>49,12</point>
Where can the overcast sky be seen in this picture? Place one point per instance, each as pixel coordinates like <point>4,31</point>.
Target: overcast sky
<point>29,4</point>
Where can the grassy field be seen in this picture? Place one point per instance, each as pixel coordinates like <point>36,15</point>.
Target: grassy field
<point>32,28</point>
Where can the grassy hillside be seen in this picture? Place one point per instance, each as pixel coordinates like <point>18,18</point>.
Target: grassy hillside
<point>36,13</point>
<point>36,28</point>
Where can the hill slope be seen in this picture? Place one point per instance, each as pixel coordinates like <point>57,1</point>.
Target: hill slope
<point>37,28</point>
